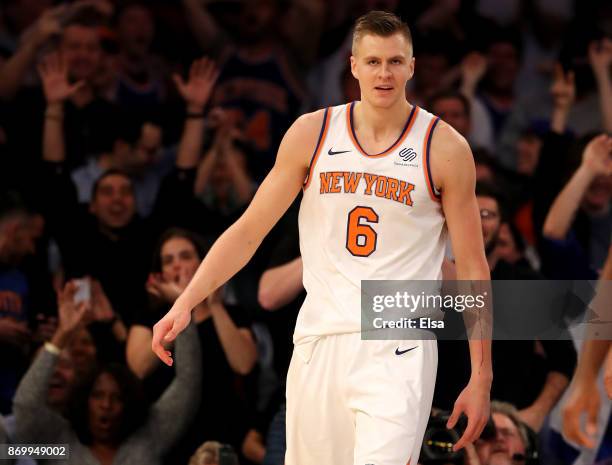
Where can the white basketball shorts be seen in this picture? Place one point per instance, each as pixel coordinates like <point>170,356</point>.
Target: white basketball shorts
<point>354,402</point>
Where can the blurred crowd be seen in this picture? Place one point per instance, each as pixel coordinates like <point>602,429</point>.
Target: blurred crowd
<point>133,132</point>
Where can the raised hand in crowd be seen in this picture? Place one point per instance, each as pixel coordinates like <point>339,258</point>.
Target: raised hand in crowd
<point>600,58</point>
<point>596,161</point>
<point>71,314</point>
<point>197,90</point>
<point>473,67</point>
<point>563,92</point>
<point>597,157</point>
<point>102,311</point>
<point>54,75</point>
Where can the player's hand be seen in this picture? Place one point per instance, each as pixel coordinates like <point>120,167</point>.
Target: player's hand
<point>168,328</point>
<point>583,399</point>
<point>475,402</point>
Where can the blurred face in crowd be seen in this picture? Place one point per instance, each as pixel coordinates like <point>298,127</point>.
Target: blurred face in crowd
<point>528,154</point>
<point>503,67</point>
<point>490,219</point>
<point>113,203</point>
<point>453,112</point>
<point>105,409</point>
<point>62,381</point>
<point>179,259</point>
<point>506,247</point>
<point>136,29</point>
<point>257,19</point>
<point>80,48</point>
<point>18,235</point>
<point>83,353</point>
<point>597,197</point>
<point>135,159</point>
<point>507,442</point>
<point>432,67</point>
<point>383,66</point>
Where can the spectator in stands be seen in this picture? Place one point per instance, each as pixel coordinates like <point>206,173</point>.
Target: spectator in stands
<point>537,384</point>
<point>228,346</point>
<point>590,112</point>
<point>585,397</point>
<point>511,443</point>
<point>111,232</point>
<point>587,194</point>
<point>141,75</point>
<point>223,182</point>
<point>17,241</point>
<point>85,113</point>
<point>497,91</point>
<point>110,422</point>
<point>259,60</point>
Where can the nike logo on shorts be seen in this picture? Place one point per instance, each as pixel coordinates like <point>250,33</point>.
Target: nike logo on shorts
<point>401,352</point>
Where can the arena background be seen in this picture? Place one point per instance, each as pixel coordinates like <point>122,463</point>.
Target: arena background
<point>132,133</point>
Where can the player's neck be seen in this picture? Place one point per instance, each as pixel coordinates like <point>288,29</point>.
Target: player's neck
<point>380,122</point>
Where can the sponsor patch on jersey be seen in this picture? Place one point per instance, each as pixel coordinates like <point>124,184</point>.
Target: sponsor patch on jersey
<point>406,157</point>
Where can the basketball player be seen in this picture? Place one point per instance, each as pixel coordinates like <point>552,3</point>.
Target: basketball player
<point>383,180</point>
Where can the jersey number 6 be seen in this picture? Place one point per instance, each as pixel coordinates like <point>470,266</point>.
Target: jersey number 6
<point>361,238</point>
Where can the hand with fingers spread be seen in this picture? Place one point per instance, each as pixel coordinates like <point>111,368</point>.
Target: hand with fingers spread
<point>71,314</point>
<point>597,156</point>
<point>584,400</point>
<point>563,88</point>
<point>474,402</point>
<point>54,75</point>
<point>198,88</point>
<point>168,328</point>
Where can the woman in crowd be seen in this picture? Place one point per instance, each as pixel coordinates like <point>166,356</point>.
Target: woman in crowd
<point>228,346</point>
<point>110,422</point>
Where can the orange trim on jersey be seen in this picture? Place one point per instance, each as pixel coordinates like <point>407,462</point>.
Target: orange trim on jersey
<point>353,135</point>
<point>426,168</point>
<point>320,142</point>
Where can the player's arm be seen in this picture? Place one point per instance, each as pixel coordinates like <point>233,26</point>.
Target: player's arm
<point>235,247</point>
<point>454,174</point>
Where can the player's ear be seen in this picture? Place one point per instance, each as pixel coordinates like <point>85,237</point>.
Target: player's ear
<point>411,68</point>
<point>354,67</point>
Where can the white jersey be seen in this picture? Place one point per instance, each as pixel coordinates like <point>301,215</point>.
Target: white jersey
<point>365,217</point>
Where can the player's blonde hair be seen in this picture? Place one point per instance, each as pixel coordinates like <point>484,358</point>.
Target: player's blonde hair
<point>380,23</point>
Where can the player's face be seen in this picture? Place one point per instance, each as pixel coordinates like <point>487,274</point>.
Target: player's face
<point>383,66</point>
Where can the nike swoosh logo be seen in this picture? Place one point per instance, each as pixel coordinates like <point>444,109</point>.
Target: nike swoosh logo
<point>331,152</point>
<point>400,352</point>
